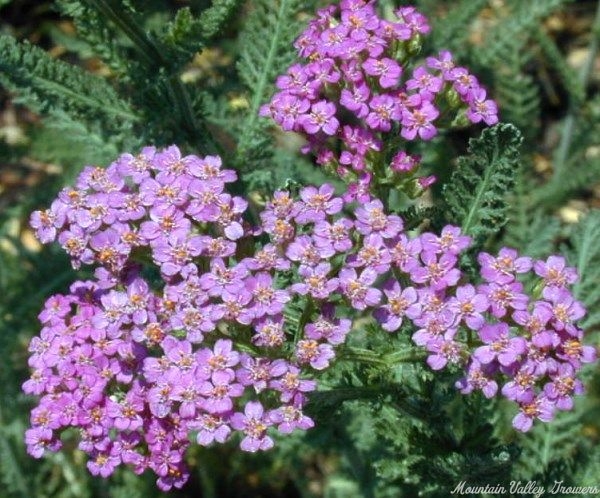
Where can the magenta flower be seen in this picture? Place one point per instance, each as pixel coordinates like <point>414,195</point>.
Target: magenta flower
<point>502,269</point>
<point>540,408</point>
<point>499,345</point>
<point>103,464</point>
<point>370,218</point>
<point>289,417</point>
<point>479,377</point>
<point>444,63</point>
<point>503,297</point>
<point>535,323</point>
<point>482,109</point>
<point>387,70</point>
<point>290,384</point>
<point>304,250</point>
<point>326,326</point>
<point>211,428</point>
<point>444,350</point>
<point>418,120</point>
<point>403,163</point>
<point>334,235</point>
<point>522,387</point>
<point>450,240</point>
<point>267,300</point>
<point>425,83</point>
<point>565,309</point>
<point>46,223</point>
<point>555,272</point>
<point>223,279</point>
<point>318,203</point>
<point>434,326</point>
<point>315,281</point>
<point>438,273</point>
<point>405,253</point>
<point>400,303</point>
<point>315,354</point>
<point>573,351</point>
<point>220,359</point>
<point>321,117</point>
<point>258,372</point>
<point>254,422</point>
<point>358,288</point>
<point>468,306</point>
<point>219,391</point>
<point>269,331</point>
<point>384,110</point>
<point>373,254</point>
<point>563,386</point>
<point>356,99</point>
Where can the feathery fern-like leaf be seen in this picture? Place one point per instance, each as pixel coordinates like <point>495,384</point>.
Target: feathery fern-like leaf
<point>513,32</point>
<point>518,93</point>
<point>45,84</point>
<point>190,33</point>
<point>94,31</point>
<point>476,193</point>
<point>451,30</point>
<point>266,50</point>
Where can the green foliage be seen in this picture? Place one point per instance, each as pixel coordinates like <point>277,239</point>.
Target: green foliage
<point>96,34</point>
<point>553,452</point>
<point>585,256</point>
<point>387,426</point>
<point>452,30</point>
<point>533,231</point>
<point>580,169</point>
<point>414,216</point>
<point>476,194</point>
<point>556,60</point>
<point>512,33</point>
<point>190,34</point>
<point>49,86</point>
<point>266,50</point>
<point>518,93</point>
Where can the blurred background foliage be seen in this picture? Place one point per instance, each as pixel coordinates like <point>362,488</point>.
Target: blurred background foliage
<point>81,81</point>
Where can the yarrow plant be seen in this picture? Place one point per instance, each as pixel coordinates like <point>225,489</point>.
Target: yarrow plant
<point>204,346</point>
<point>361,87</point>
<point>209,320</point>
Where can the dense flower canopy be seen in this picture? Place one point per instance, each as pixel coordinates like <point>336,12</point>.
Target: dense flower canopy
<point>191,325</point>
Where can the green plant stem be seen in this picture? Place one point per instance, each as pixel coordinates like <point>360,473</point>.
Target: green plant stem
<point>405,356</point>
<point>562,152</point>
<point>155,58</point>
<point>367,356</point>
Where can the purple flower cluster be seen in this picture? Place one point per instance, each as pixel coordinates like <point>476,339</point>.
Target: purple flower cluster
<point>526,347</point>
<point>359,85</point>
<point>142,365</point>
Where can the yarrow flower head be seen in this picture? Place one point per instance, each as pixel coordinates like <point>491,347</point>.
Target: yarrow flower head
<point>138,367</point>
<point>361,83</point>
<point>200,328</point>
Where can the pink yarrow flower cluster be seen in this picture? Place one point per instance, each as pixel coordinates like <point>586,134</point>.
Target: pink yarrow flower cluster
<point>360,85</point>
<point>210,348</point>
